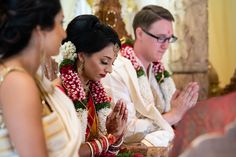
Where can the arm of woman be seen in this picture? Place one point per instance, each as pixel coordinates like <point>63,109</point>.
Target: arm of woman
<point>22,111</point>
<point>84,150</point>
<point>100,146</point>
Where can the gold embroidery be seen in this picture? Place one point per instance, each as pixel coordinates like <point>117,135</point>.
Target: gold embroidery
<point>3,150</point>
<point>4,137</point>
<point>50,135</point>
<point>7,70</point>
<point>51,121</point>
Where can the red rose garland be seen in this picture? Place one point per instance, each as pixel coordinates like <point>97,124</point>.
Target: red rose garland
<point>72,83</point>
<point>98,93</point>
<point>75,90</point>
<point>158,69</point>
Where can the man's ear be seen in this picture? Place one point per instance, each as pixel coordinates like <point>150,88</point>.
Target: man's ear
<point>139,33</point>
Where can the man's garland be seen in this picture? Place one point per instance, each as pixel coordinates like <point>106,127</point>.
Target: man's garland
<point>162,77</point>
<point>158,69</point>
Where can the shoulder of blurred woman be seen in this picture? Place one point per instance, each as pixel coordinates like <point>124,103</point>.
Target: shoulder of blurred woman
<point>19,87</point>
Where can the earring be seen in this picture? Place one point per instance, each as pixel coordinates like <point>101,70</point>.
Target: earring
<point>116,49</point>
<point>80,67</point>
<point>42,59</point>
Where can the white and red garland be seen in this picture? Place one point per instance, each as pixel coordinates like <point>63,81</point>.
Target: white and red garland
<point>162,77</point>
<point>74,88</point>
<point>158,69</point>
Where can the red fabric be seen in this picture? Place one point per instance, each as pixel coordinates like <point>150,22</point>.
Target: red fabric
<point>211,115</point>
<point>92,125</point>
<point>61,88</point>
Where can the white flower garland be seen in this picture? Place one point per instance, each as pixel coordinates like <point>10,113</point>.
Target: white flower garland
<point>76,92</point>
<point>102,116</point>
<point>168,88</point>
<point>166,85</point>
<point>66,51</point>
<point>82,114</point>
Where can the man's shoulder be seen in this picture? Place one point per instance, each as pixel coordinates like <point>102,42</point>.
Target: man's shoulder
<point>121,62</point>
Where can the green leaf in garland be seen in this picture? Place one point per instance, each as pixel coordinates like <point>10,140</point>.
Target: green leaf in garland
<point>102,105</point>
<point>130,41</point>
<point>140,72</point>
<point>127,154</point>
<point>161,81</point>
<point>159,77</point>
<point>80,105</point>
<point>127,41</point>
<point>166,74</point>
<point>66,62</point>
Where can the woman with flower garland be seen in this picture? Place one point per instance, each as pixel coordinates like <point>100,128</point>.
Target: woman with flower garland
<point>36,119</point>
<point>86,56</point>
<point>140,79</point>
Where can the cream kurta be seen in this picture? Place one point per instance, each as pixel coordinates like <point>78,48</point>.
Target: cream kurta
<point>143,96</point>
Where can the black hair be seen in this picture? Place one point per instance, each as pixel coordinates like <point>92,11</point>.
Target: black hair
<point>18,18</point>
<point>89,35</point>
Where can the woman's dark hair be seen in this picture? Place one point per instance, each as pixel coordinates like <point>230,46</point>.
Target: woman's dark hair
<point>18,18</point>
<point>89,35</point>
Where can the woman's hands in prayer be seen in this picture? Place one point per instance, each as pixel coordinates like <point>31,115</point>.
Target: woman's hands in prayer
<point>183,100</point>
<point>117,119</point>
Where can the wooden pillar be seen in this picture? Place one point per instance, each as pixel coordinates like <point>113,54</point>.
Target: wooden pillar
<point>189,55</point>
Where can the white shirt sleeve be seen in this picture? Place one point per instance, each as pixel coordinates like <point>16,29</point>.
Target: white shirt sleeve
<point>117,89</point>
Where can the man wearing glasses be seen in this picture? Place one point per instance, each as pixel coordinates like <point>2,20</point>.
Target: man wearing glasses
<point>139,78</point>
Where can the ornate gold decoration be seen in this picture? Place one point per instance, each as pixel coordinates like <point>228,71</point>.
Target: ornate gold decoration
<point>111,18</point>
<point>90,2</point>
<point>109,12</point>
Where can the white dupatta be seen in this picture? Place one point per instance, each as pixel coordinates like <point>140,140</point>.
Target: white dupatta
<point>61,126</point>
<point>63,109</point>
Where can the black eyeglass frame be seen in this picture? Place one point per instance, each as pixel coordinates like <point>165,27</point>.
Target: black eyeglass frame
<point>171,39</point>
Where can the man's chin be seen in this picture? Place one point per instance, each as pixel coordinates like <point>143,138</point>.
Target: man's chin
<point>157,59</point>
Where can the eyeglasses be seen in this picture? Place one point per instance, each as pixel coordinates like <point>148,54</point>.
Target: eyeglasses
<point>162,39</point>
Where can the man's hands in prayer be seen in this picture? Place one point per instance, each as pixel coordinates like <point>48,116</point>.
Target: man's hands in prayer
<point>183,100</point>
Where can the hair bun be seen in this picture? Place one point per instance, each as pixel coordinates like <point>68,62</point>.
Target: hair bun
<point>98,25</point>
<point>93,22</point>
<point>3,15</point>
<point>90,22</point>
